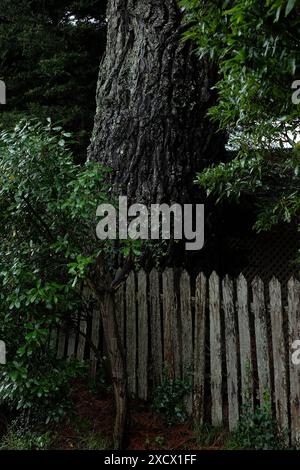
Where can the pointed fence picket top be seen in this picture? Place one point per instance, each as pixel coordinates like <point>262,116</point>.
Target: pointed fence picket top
<point>244,341</point>
<point>294,367</point>
<point>231,353</point>
<point>215,350</point>
<point>261,338</point>
<point>279,355</point>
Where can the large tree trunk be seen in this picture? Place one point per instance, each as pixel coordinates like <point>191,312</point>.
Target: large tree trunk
<point>153,94</point>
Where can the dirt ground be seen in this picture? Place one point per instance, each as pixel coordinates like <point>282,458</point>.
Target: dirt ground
<point>94,414</point>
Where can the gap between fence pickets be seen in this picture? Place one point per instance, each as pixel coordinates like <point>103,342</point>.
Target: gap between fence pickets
<point>160,325</point>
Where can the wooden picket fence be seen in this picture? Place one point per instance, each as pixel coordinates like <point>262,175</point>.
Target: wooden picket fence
<point>233,337</point>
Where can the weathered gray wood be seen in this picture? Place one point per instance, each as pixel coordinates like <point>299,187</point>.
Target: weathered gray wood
<point>53,339</point>
<point>120,312</point>
<point>231,353</point>
<point>186,333</point>
<point>294,334</point>
<point>2,352</point>
<point>215,350</point>
<point>61,344</point>
<point>81,339</point>
<point>244,341</point>
<point>95,333</point>
<point>155,327</point>
<point>279,355</point>
<point>261,338</point>
<point>142,336</point>
<point>131,333</point>
<point>172,353</point>
<point>71,344</point>
<point>199,349</point>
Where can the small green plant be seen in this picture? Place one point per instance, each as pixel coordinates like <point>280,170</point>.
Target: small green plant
<point>257,429</point>
<point>81,425</point>
<point>158,441</point>
<point>169,398</point>
<point>18,438</point>
<point>95,441</point>
<point>211,436</point>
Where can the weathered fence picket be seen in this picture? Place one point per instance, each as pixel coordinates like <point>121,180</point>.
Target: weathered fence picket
<point>244,341</point>
<point>294,334</point>
<point>261,338</point>
<point>71,344</point>
<point>142,367</point>
<point>131,339</point>
<point>199,350</point>
<point>53,339</point>
<point>215,350</point>
<point>155,328</point>
<point>186,332</point>
<point>231,353</point>
<point>170,324</point>
<point>279,355</point>
<point>61,344</point>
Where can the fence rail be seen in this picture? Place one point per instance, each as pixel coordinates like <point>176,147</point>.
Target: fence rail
<point>233,336</point>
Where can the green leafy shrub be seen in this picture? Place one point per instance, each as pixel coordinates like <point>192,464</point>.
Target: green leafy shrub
<point>47,249</point>
<point>42,391</point>
<point>257,429</point>
<point>253,44</point>
<point>169,398</point>
<point>20,438</point>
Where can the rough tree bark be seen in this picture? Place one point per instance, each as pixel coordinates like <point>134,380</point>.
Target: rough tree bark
<point>152,98</point>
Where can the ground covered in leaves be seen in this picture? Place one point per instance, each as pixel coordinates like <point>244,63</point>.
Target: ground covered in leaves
<point>91,424</point>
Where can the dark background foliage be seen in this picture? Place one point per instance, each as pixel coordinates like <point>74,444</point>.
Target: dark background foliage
<point>49,59</point>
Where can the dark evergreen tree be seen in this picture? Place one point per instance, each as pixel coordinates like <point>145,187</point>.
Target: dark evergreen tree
<point>49,59</point>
